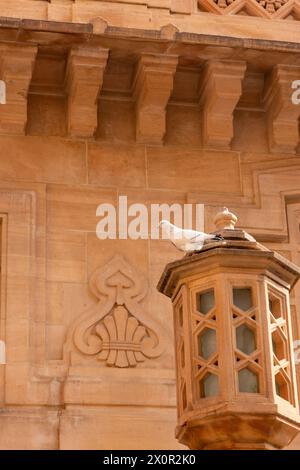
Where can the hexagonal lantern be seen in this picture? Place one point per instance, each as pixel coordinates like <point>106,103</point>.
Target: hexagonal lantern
<point>236,384</point>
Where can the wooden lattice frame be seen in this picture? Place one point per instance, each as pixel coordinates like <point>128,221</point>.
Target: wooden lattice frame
<point>181,352</point>
<point>280,325</point>
<point>250,318</point>
<point>199,323</point>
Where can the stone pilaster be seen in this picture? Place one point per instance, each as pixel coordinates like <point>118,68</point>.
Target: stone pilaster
<point>16,67</point>
<point>152,89</point>
<point>84,78</point>
<point>282,114</point>
<point>219,92</point>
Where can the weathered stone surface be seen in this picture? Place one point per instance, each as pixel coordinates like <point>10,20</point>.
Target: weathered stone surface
<point>165,164</point>
<point>27,429</point>
<point>86,435</point>
<point>42,159</point>
<point>117,165</point>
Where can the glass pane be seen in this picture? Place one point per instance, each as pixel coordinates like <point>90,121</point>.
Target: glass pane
<point>205,301</point>
<point>242,298</point>
<point>184,399</point>
<point>248,381</point>
<point>245,339</point>
<point>182,356</point>
<point>281,386</point>
<point>207,343</point>
<point>274,347</point>
<point>180,315</point>
<point>277,386</point>
<point>278,346</point>
<point>275,307</point>
<point>209,386</point>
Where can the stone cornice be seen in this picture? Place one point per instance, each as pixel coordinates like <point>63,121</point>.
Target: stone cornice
<point>87,32</point>
<point>64,34</point>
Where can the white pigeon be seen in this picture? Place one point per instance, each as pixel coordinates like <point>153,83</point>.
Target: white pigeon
<point>186,240</point>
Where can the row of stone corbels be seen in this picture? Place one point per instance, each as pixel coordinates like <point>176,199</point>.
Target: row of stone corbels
<point>84,77</point>
<point>219,92</point>
<point>221,89</point>
<point>152,87</point>
<point>83,83</point>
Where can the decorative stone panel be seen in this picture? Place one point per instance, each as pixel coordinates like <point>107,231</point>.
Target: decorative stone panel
<point>116,331</point>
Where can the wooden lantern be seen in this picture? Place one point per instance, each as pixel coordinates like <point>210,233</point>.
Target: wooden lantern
<point>236,384</point>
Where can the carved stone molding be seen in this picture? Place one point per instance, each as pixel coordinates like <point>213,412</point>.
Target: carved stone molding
<point>152,89</point>
<point>17,312</point>
<point>117,330</point>
<point>270,9</point>
<point>282,114</point>
<point>84,78</point>
<point>219,92</point>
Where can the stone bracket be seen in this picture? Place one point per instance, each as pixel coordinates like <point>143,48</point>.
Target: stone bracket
<point>16,67</point>
<point>219,93</point>
<point>282,114</point>
<point>84,78</point>
<point>152,89</point>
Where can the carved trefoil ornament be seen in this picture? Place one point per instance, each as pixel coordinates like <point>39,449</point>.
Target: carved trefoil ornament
<point>117,330</point>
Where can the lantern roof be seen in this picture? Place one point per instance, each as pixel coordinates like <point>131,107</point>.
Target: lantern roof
<point>238,249</point>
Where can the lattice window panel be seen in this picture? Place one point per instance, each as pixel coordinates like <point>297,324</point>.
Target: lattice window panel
<point>280,344</point>
<point>246,338</point>
<point>205,344</point>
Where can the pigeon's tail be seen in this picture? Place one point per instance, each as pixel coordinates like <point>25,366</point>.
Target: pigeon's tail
<point>218,238</point>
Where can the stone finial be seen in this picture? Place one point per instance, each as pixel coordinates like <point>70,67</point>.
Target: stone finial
<point>225,220</point>
<point>99,25</point>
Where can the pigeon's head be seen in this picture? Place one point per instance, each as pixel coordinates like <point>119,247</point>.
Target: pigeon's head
<point>164,224</point>
<point>166,227</point>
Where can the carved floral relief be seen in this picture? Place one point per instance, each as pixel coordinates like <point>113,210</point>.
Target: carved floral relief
<point>117,330</point>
